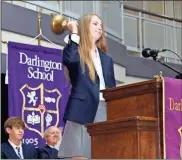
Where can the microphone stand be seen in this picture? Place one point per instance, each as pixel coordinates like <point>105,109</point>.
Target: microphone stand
<point>179,76</point>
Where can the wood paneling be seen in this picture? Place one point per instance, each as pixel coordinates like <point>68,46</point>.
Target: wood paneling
<point>134,123</point>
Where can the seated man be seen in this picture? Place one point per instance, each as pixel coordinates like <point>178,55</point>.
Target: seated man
<point>52,136</point>
<point>60,139</point>
<point>14,148</point>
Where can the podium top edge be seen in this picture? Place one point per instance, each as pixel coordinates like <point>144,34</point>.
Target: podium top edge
<point>156,82</point>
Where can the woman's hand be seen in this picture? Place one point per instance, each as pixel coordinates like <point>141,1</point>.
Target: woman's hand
<point>73,26</point>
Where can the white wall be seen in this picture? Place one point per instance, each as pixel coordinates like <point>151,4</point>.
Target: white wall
<point>132,79</point>
<point>120,72</point>
<point>14,37</point>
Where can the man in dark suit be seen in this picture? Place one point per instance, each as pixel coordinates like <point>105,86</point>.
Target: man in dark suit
<point>14,148</point>
<point>52,136</point>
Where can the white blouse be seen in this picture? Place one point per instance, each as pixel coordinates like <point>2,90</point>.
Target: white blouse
<point>98,66</point>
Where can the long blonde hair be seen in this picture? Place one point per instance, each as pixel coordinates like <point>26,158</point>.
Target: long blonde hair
<point>85,44</point>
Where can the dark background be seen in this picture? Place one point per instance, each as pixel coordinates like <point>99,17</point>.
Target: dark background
<point>4,107</point>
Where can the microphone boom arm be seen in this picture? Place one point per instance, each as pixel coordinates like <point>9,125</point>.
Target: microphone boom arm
<point>179,76</point>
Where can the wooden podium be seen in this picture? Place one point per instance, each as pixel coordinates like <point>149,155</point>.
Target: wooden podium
<point>134,123</point>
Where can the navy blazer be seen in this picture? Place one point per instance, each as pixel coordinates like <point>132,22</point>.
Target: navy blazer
<point>7,151</point>
<point>84,98</point>
<point>47,153</point>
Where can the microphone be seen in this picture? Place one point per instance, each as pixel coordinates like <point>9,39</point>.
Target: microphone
<point>147,52</point>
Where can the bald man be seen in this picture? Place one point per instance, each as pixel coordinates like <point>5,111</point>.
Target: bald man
<point>52,137</point>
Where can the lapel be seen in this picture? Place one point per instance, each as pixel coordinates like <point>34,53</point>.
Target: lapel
<point>48,149</point>
<point>25,151</point>
<point>11,151</point>
<point>104,64</point>
<point>52,152</point>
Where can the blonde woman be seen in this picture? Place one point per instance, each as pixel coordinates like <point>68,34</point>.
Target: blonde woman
<point>90,70</point>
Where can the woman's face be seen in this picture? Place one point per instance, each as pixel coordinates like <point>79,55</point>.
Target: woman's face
<point>95,27</point>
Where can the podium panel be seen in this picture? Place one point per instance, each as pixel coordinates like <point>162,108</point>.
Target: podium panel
<point>134,137</point>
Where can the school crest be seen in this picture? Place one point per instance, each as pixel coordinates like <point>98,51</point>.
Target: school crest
<point>40,107</point>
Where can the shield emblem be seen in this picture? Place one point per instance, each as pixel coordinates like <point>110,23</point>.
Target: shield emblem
<point>40,107</point>
<point>180,133</point>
